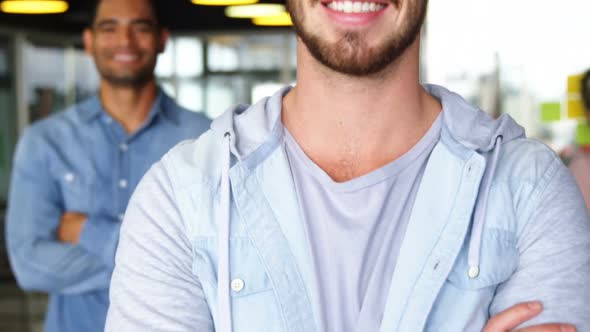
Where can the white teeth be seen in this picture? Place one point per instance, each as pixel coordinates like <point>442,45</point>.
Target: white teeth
<point>125,57</point>
<point>355,7</point>
<point>348,7</point>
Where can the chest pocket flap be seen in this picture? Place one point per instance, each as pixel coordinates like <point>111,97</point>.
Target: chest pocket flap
<point>498,260</point>
<point>74,188</point>
<point>247,272</point>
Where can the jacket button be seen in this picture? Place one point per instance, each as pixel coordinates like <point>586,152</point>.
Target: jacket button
<point>237,285</point>
<point>69,177</point>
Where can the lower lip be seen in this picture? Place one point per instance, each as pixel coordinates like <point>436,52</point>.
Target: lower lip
<point>354,19</point>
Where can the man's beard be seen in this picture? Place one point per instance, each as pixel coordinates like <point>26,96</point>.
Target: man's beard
<point>135,80</point>
<point>351,55</point>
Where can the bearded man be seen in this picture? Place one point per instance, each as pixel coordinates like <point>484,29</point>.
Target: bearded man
<point>359,200</point>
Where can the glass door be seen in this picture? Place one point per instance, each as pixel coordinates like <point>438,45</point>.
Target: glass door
<point>8,130</point>
<point>8,137</point>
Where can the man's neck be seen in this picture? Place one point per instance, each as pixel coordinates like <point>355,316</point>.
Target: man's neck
<point>129,105</point>
<point>350,126</point>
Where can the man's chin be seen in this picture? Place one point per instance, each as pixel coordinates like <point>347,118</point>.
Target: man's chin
<point>348,59</point>
<point>357,70</point>
<point>128,81</point>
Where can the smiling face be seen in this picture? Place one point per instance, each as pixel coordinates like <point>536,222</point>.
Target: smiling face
<point>125,41</point>
<point>359,37</point>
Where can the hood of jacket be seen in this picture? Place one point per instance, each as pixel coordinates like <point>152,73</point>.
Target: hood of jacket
<point>253,126</point>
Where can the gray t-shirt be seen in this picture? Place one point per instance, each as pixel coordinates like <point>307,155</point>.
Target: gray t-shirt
<point>355,229</point>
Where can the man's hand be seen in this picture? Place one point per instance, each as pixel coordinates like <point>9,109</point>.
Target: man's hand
<point>70,227</point>
<point>509,319</point>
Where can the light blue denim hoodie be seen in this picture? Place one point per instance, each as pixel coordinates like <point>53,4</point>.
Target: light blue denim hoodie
<point>497,220</point>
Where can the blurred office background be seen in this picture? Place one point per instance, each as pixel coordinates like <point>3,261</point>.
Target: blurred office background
<point>517,57</point>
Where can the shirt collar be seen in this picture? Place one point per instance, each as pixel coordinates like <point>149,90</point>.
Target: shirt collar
<point>166,107</point>
<point>92,108</point>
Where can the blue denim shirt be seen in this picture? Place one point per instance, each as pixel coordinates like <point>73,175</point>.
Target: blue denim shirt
<point>82,160</point>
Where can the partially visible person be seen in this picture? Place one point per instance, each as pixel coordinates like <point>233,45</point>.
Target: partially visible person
<point>75,171</point>
<point>580,161</point>
<point>357,201</point>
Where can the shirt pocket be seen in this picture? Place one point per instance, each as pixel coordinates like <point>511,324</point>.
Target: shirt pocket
<point>499,259</point>
<point>463,302</point>
<point>254,306</point>
<point>248,274</point>
<point>73,188</point>
<point>245,265</point>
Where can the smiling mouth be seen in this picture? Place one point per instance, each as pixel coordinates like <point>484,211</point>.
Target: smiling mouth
<point>126,57</point>
<point>355,7</point>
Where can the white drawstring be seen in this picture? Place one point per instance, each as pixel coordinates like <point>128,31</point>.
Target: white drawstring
<point>223,223</point>
<point>480,215</point>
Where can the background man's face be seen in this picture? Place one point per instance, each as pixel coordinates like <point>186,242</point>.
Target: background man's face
<point>361,43</point>
<point>125,41</point>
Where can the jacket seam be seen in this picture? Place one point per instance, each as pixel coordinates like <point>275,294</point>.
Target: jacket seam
<point>266,268</point>
<point>538,191</point>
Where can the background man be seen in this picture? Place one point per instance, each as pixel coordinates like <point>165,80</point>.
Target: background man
<point>580,163</point>
<point>74,172</point>
<point>359,200</point>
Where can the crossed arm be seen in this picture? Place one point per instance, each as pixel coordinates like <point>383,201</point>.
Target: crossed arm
<point>52,250</point>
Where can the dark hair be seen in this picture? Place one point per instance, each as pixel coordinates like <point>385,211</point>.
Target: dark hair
<point>96,3</point>
<point>586,90</point>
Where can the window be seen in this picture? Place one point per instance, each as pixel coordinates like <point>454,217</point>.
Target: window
<point>510,57</point>
<point>210,74</point>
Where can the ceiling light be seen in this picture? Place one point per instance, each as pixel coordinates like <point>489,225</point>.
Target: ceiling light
<point>34,7</point>
<point>223,2</point>
<point>251,11</point>
<point>280,20</point>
